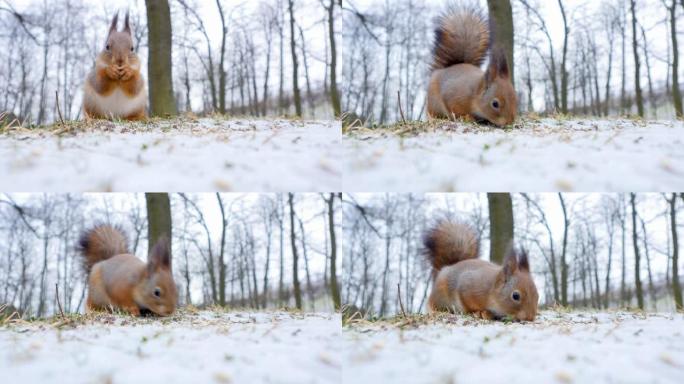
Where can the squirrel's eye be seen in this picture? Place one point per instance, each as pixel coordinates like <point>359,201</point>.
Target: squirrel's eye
<point>516,296</point>
<point>157,292</point>
<point>131,49</point>
<point>495,104</point>
<point>107,47</point>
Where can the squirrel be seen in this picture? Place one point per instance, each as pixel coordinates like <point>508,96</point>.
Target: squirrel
<point>118,279</point>
<point>463,283</point>
<point>114,88</point>
<point>458,87</point>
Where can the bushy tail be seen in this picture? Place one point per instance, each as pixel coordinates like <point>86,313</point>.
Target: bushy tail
<point>449,242</point>
<point>461,37</point>
<point>100,243</point>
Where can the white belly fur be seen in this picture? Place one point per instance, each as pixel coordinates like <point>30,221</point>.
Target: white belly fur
<point>117,104</point>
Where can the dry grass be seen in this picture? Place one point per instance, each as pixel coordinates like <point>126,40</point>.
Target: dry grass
<point>355,318</point>
<point>96,125</point>
<point>118,317</point>
<point>355,127</point>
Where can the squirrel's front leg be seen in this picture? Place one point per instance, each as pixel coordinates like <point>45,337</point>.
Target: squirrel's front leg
<point>126,73</point>
<point>111,72</point>
<point>133,310</point>
<point>486,315</point>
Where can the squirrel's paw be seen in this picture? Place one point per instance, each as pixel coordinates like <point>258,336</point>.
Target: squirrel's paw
<point>126,74</point>
<point>484,315</point>
<point>133,310</point>
<point>112,73</point>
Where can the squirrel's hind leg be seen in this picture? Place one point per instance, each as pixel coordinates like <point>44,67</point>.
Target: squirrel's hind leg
<point>137,116</point>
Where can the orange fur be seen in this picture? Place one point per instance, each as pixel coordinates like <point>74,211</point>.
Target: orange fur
<point>466,284</point>
<point>457,86</point>
<point>117,68</point>
<point>118,279</point>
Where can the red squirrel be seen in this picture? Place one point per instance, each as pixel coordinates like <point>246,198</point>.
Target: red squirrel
<point>114,88</point>
<point>119,280</point>
<point>458,87</point>
<point>463,283</point>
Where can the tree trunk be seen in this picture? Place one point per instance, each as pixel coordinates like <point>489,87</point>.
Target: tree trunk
<point>501,21</point>
<point>501,225</point>
<point>281,276</point>
<point>606,101</point>
<point>564,264</point>
<point>623,77</point>
<point>309,95</point>
<point>159,66</point>
<point>158,219</point>
<point>676,95</point>
<point>334,93</point>
<point>334,288</point>
<point>269,231</point>
<point>637,259</point>
<point>637,70</point>
<point>281,73</point>
<point>564,72</point>
<point>309,287</point>
<point>222,264</point>
<point>295,65</point>
<point>649,78</point>
<point>611,231</point>
<point>676,287</point>
<point>295,258</point>
<point>269,44</point>
<point>222,69</point>
<point>651,287</point>
<point>623,266</point>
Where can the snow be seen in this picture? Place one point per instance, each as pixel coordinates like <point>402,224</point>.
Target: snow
<point>205,347</point>
<point>580,347</point>
<point>176,155</point>
<point>535,156</point>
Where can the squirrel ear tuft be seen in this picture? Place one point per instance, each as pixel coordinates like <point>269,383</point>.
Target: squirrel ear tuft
<point>498,64</point>
<point>160,257</point>
<point>510,262</point>
<point>115,22</point>
<point>127,26</point>
<point>523,262</point>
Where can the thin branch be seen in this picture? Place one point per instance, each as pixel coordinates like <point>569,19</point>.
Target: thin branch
<point>59,304</point>
<point>401,111</point>
<point>20,18</point>
<point>401,304</point>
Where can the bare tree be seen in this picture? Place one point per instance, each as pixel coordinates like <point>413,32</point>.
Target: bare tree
<point>501,225</point>
<point>637,258</point>
<point>159,72</point>
<point>295,64</point>
<point>676,287</point>
<point>295,258</point>
<point>637,71</point>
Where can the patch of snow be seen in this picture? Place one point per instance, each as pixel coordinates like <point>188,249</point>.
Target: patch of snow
<point>587,347</point>
<point>547,155</point>
<point>189,156</point>
<point>208,347</point>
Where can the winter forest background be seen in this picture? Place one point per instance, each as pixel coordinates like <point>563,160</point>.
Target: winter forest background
<point>577,57</point>
<point>40,233</point>
<point>618,249</point>
<point>228,57</point>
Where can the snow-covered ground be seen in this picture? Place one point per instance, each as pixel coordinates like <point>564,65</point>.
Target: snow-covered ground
<point>189,155</point>
<point>536,156</point>
<point>557,348</point>
<point>207,347</point>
